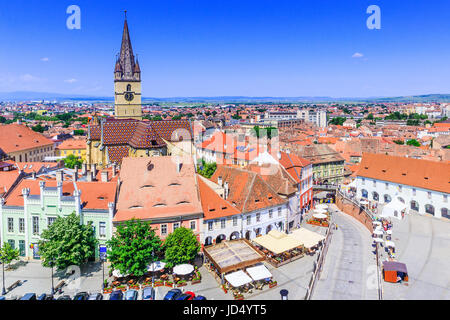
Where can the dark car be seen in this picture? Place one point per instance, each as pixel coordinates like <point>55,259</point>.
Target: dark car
<point>2,298</point>
<point>116,295</point>
<point>45,296</point>
<point>148,293</point>
<point>199,298</point>
<point>29,296</point>
<point>64,297</point>
<point>96,296</point>
<point>172,294</point>
<point>81,296</point>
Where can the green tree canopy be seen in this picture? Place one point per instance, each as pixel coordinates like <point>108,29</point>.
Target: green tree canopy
<point>270,132</point>
<point>38,128</point>
<point>79,132</point>
<point>8,254</point>
<point>131,248</point>
<point>181,246</point>
<point>338,121</point>
<point>413,142</point>
<point>72,160</point>
<point>207,169</point>
<point>67,242</point>
<point>399,141</point>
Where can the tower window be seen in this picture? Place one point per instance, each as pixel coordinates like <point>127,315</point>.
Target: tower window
<point>129,87</point>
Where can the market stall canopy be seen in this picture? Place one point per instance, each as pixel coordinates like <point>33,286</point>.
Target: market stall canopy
<point>277,242</point>
<point>183,269</point>
<point>390,244</point>
<point>320,216</point>
<point>364,201</point>
<point>307,237</point>
<point>352,184</point>
<point>238,278</point>
<point>232,255</point>
<point>156,266</point>
<point>321,195</point>
<point>320,211</point>
<point>259,272</point>
<point>378,232</point>
<point>377,223</point>
<point>378,240</point>
<point>394,266</point>
<point>393,209</point>
<point>389,231</point>
<point>322,206</point>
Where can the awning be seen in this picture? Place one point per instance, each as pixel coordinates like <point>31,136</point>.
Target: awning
<point>259,272</point>
<point>307,237</point>
<point>183,269</point>
<point>394,266</point>
<point>320,216</point>
<point>277,242</point>
<point>238,278</point>
<point>156,266</point>
<point>322,206</point>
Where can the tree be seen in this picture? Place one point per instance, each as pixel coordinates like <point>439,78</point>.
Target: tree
<point>181,246</point>
<point>72,160</point>
<point>7,255</point>
<point>67,242</point>
<point>207,169</point>
<point>370,116</point>
<point>338,121</point>
<point>133,247</point>
<point>413,142</point>
<point>78,132</point>
<point>399,142</point>
<point>269,132</point>
<point>38,128</point>
<point>177,117</point>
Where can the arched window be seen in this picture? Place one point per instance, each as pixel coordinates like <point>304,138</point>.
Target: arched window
<point>375,196</point>
<point>208,241</point>
<point>364,194</point>
<point>387,198</point>
<point>220,238</point>
<point>414,205</point>
<point>429,209</point>
<point>445,213</point>
<point>128,87</point>
<point>401,199</point>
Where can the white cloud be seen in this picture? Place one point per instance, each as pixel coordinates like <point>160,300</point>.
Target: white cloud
<point>71,80</point>
<point>45,59</point>
<point>357,55</point>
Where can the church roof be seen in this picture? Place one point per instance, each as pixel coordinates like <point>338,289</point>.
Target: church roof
<point>126,62</point>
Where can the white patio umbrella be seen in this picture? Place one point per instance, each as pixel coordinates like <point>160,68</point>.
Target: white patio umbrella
<point>390,244</point>
<point>322,206</point>
<point>156,266</point>
<point>378,232</point>
<point>389,231</point>
<point>378,223</point>
<point>183,269</point>
<point>320,216</point>
<point>364,201</point>
<point>117,274</point>
<point>320,211</point>
<point>378,240</point>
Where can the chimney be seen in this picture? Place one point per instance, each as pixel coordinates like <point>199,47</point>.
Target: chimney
<point>219,181</point>
<point>59,176</point>
<point>84,169</point>
<point>33,175</point>
<point>75,174</point>
<point>114,169</point>
<point>105,176</point>
<point>226,191</point>
<point>89,176</point>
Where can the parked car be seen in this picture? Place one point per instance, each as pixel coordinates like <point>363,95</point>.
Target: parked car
<point>199,298</point>
<point>2,298</point>
<point>96,296</point>
<point>29,296</point>
<point>116,295</point>
<point>64,297</point>
<point>131,294</point>
<point>148,293</point>
<point>81,296</point>
<point>191,294</point>
<point>185,296</point>
<point>45,296</point>
<point>172,294</point>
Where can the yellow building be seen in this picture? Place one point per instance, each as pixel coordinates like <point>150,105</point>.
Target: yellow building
<point>77,147</point>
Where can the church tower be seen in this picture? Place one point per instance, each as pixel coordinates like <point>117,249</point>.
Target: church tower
<point>127,81</point>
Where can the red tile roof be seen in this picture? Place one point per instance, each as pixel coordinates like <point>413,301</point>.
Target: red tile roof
<point>16,137</point>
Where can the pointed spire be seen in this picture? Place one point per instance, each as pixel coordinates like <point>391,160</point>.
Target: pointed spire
<point>126,57</point>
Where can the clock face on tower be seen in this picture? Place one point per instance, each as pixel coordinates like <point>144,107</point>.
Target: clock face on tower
<point>129,96</point>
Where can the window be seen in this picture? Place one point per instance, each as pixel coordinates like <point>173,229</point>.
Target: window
<point>429,195</point>
<point>163,229</point>
<point>21,225</point>
<point>399,188</point>
<point>10,224</point>
<point>192,225</point>
<point>22,248</point>
<point>414,191</point>
<point>102,229</point>
<point>270,214</point>
<point>249,219</point>
<point>50,220</point>
<point>235,221</point>
<point>258,217</point>
<point>279,211</point>
<point>210,225</point>
<point>35,225</point>
<point>374,183</point>
<point>445,198</point>
<point>363,181</point>
<point>176,225</point>
<point>12,243</point>
<point>222,223</point>
<point>387,185</point>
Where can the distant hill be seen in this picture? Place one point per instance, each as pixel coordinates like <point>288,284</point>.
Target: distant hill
<point>28,96</point>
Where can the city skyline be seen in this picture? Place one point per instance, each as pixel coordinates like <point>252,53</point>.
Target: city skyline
<point>292,49</point>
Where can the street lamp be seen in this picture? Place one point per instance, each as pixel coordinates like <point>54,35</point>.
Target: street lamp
<point>3,267</point>
<point>284,294</point>
<point>53,288</point>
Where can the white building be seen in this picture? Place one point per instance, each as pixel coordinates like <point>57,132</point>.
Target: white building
<point>423,186</point>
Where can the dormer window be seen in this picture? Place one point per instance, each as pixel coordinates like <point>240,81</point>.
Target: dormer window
<point>159,205</point>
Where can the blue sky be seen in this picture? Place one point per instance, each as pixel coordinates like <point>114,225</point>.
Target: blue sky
<point>233,47</point>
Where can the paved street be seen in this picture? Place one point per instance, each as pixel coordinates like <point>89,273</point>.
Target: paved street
<point>350,266</point>
<point>423,244</point>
